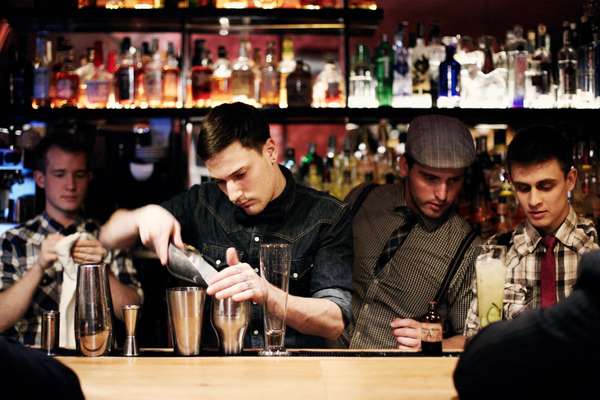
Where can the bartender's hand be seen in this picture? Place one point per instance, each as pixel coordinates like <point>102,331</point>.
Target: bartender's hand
<point>48,255</point>
<point>407,333</point>
<point>157,228</point>
<point>88,251</point>
<point>238,281</point>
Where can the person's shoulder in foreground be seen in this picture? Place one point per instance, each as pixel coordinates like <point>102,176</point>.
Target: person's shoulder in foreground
<point>29,374</point>
<point>551,352</point>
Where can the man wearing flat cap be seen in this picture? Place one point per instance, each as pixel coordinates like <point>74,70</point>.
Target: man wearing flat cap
<point>407,235</point>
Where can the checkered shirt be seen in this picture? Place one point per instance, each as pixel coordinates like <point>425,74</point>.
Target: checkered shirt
<point>411,278</point>
<point>20,248</point>
<point>575,237</point>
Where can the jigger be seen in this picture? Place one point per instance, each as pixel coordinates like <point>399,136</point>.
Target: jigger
<point>230,320</point>
<point>130,316</point>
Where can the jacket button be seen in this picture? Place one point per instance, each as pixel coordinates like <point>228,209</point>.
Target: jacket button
<point>256,239</point>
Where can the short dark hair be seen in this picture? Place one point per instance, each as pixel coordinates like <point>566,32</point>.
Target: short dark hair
<point>537,144</point>
<point>65,141</point>
<point>228,123</point>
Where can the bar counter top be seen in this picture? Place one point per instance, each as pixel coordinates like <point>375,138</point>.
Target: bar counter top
<point>312,377</point>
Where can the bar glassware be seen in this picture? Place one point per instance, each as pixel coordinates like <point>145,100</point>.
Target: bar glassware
<point>275,262</point>
<point>491,273</point>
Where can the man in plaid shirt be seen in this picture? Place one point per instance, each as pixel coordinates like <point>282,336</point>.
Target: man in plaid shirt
<point>30,276</point>
<point>543,254</point>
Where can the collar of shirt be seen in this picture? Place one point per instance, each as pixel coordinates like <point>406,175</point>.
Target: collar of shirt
<point>528,238</point>
<point>401,207</point>
<point>276,210</point>
<point>53,226</point>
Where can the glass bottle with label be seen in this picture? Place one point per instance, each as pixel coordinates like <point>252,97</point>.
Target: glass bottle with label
<point>328,90</point>
<point>567,70</point>
<point>269,82</point>
<point>420,64</point>
<point>449,74</point>
<point>287,65</point>
<point>66,81</point>
<point>153,77</point>
<point>257,72</point>
<point>125,76</point>
<point>171,78</point>
<point>201,75</point>
<point>20,77</point>
<point>362,84</point>
<point>402,87</point>
<point>437,53</point>
<point>242,76</point>
<point>221,78</point>
<point>431,331</point>
<point>97,88</point>
<point>41,72</point>
<point>384,71</point>
<point>299,86</point>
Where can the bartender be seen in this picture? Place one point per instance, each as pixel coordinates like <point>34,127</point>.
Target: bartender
<point>406,236</point>
<point>254,200</point>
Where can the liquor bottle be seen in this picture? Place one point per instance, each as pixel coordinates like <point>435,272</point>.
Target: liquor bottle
<point>20,77</point>
<point>125,75</point>
<point>97,87</point>
<point>299,86</point>
<point>66,81</point>
<point>362,85</point>
<point>519,68</point>
<point>41,72</point>
<point>311,168</point>
<point>231,3</point>
<point>420,64</point>
<point>431,331</point>
<point>201,73</point>
<point>269,82</point>
<point>290,161</point>
<point>170,79</point>
<point>268,3</point>
<point>328,90</point>
<point>567,70</point>
<point>242,77</point>
<point>287,65</point>
<point>384,71</point>
<point>437,53</point>
<point>143,58</point>
<point>310,4</point>
<point>153,73</point>
<point>449,74</point>
<point>257,72</point>
<point>367,4</point>
<point>144,4</point>
<point>329,168</point>
<point>347,169</point>
<point>402,63</point>
<point>220,81</point>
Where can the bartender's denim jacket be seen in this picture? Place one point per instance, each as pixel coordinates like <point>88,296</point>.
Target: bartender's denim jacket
<point>317,227</point>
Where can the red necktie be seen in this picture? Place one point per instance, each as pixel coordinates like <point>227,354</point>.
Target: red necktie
<point>548,273</point>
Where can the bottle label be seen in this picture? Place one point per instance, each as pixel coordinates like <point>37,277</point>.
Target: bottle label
<point>431,332</point>
<point>125,84</point>
<point>65,89</point>
<point>41,83</point>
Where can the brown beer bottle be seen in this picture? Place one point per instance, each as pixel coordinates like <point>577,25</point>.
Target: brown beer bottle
<point>431,331</point>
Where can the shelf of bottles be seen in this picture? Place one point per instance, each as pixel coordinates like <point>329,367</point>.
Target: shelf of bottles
<point>403,77</point>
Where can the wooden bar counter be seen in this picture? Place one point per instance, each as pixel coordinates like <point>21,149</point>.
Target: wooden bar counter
<point>261,378</point>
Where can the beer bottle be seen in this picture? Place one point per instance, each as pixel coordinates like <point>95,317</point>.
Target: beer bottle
<point>431,331</point>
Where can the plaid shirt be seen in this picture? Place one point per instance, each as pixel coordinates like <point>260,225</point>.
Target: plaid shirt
<point>410,279</point>
<point>523,261</point>
<point>20,249</point>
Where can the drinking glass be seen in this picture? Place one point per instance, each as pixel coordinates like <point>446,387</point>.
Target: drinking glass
<point>491,274</point>
<point>275,261</point>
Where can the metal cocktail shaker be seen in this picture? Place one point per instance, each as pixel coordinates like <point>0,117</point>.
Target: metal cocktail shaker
<point>93,311</point>
<point>230,320</point>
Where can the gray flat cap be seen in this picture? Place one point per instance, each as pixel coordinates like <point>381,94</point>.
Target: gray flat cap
<point>438,141</point>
